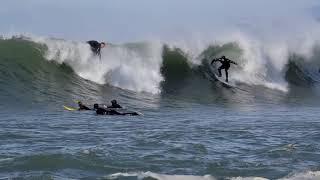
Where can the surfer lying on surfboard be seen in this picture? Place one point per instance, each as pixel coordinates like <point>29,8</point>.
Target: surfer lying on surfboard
<point>114,104</point>
<point>114,109</point>
<point>225,65</point>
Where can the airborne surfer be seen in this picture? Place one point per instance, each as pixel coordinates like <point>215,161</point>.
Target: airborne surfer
<point>96,47</point>
<point>225,65</point>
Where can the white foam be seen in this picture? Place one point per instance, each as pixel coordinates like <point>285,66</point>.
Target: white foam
<point>142,175</point>
<point>133,68</point>
<point>248,178</point>
<point>310,175</point>
<point>6,160</point>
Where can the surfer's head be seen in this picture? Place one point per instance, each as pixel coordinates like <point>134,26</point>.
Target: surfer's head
<point>114,101</point>
<point>95,106</point>
<point>223,57</point>
<point>102,44</point>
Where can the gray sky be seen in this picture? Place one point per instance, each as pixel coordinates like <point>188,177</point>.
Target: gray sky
<point>126,20</point>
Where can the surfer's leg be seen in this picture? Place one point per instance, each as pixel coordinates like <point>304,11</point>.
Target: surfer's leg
<point>226,74</point>
<point>219,69</point>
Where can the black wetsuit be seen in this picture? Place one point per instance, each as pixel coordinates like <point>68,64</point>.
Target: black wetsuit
<point>83,107</point>
<point>95,47</point>
<point>103,111</point>
<point>225,65</point>
<point>106,111</point>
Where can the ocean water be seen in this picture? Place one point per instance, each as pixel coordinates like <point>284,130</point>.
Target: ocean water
<point>192,127</point>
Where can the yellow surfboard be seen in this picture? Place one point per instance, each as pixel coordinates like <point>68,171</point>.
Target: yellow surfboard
<point>69,108</point>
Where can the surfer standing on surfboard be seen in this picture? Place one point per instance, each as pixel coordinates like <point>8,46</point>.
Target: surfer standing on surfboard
<point>225,65</point>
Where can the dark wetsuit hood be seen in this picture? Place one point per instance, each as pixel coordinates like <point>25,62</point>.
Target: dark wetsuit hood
<point>114,104</point>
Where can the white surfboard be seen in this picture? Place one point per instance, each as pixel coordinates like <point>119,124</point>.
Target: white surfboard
<point>221,80</point>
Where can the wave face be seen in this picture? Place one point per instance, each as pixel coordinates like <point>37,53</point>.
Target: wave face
<point>47,68</point>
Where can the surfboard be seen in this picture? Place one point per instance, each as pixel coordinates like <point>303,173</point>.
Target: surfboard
<point>126,111</point>
<point>221,80</point>
<point>69,108</point>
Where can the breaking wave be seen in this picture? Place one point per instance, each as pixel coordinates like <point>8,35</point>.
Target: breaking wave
<point>48,64</point>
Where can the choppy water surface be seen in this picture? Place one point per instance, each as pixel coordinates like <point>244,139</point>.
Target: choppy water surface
<point>196,140</point>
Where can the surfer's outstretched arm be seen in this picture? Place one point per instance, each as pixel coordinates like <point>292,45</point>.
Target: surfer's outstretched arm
<point>214,60</point>
<point>233,62</point>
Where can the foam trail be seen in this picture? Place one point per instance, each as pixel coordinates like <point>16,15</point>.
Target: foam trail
<point>142,175</point>
<point>248,178</point>
<point>310,175</point>
<point>135,67</point>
